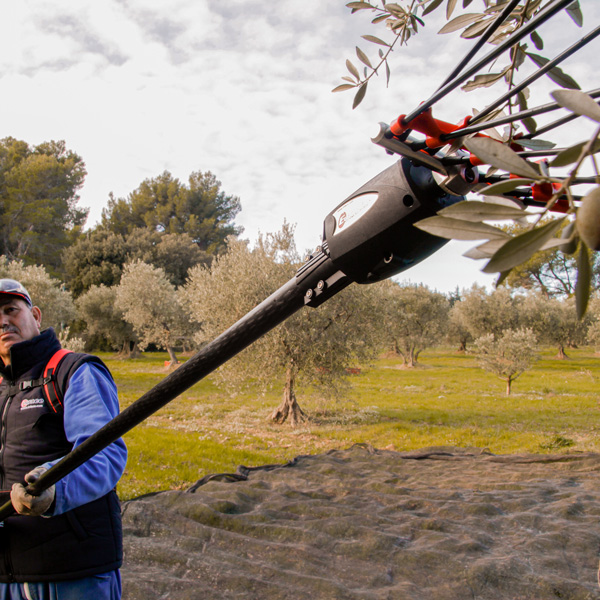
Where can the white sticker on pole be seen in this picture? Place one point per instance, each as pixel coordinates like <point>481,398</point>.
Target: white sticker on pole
<point>351,211</point>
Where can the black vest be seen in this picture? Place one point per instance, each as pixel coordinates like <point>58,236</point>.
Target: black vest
<point>82,542</point>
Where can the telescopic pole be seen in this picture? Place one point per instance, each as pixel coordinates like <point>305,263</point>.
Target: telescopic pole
<point>267,315</point>
<point>368,237</point>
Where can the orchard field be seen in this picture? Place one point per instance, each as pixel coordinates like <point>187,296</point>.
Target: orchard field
<point>447,400</point>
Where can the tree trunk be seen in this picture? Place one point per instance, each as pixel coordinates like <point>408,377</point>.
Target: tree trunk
<point>508,385</point>
<point>129,350</point>
<point>410,357</point>
<point>172,356</point>
<point>562,355</point>
<point>289,409</point>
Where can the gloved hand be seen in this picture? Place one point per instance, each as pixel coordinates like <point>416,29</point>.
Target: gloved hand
<point>26,504</point>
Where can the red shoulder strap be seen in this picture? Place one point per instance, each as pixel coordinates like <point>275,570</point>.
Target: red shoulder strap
<point>51,392</point>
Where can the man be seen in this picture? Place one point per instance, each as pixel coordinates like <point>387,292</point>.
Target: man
<point>65,544</point>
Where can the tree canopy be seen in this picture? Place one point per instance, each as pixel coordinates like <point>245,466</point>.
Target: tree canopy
<point>149,302</point>
<point>310,347</point>
<point>46,292</point>
<point>98,257</point>
<point>481,313</point>
<point>165,205</point>
<point>103,316</point>
<point>552,272</point>
<point>39,215</point>
<point>555,321</point>
<point>507,355</point>
<point>414,318</point>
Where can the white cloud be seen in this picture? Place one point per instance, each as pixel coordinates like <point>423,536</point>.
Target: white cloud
<point>240,89</point>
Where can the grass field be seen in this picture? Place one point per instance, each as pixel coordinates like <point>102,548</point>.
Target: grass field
<point>447,401</point>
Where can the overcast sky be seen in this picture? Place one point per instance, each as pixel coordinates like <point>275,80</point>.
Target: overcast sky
<point>238,88</point>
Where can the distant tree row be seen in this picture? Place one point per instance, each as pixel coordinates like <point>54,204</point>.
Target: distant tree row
<point>165,269</point>
<point>314,348</point>
<point>164,222</point>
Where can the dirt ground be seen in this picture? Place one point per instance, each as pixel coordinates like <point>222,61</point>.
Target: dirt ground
<point>441,523</point>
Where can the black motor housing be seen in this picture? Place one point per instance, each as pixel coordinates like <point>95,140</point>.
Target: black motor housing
<point>370,236</point>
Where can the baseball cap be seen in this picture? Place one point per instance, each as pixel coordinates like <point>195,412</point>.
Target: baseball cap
<point>10,287</point>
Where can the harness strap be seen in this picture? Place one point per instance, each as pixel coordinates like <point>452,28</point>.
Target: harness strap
<point>50,391</point>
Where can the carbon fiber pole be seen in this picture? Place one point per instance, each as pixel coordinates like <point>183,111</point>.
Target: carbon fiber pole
<point>530,112</point>
<point>487,34</point>
<point>586,39</point>
<point>267,315</point>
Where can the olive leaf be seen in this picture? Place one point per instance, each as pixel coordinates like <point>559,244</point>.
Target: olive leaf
<point>531,7</point>
<point>502,277</point>
<point>569,238</point>
<point>555,73</point>
<point>363,57</point>
<point>529,124</point>
<point>553,243</point>
<point>375,40</point>
<point>432,6</point>
<point>353,70</point>
<point>343,87</point>
<point>578,102</point>
<point>485,80</point>
<point>571,154</point>
<point>501,156</point>
<point>574,11</point>
<point>521,247</point>
<point>358,5</point>
<point>538,42</point>
<point>485,250</point>
<point>506,201</point>
<point>476,29</point>
<point>383,17</point>
<point>471,210</point>
<point>358,98</point>
<point>450,8</point>
<point>536,144</point>
<point>460,22</point>
<point>584,279</point>
<point>457,229</point>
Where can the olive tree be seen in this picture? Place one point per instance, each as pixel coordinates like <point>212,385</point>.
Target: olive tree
<point>555,322</point>
<point>507,355</point>
<point>414,319</point>
<point>149,302</point>
<point>46,292</point>
<point>103,316</point>
<point>481,312</point>
<point>312,347</point>
<point>593,331</point>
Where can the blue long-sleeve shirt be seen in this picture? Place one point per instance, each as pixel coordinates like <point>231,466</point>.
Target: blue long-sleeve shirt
<point>90,402</point>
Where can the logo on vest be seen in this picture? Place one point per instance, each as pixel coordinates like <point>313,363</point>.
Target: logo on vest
<point>28,403</point>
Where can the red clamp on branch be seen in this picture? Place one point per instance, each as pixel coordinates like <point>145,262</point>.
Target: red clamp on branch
<point>542,192</point>
<point>433,129</point>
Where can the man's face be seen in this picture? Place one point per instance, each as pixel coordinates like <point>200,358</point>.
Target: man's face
<point>17,323</point>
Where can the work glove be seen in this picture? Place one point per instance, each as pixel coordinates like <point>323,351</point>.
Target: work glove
<point>26,504</point>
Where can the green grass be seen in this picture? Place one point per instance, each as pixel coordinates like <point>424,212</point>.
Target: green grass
<point>447,401</point>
